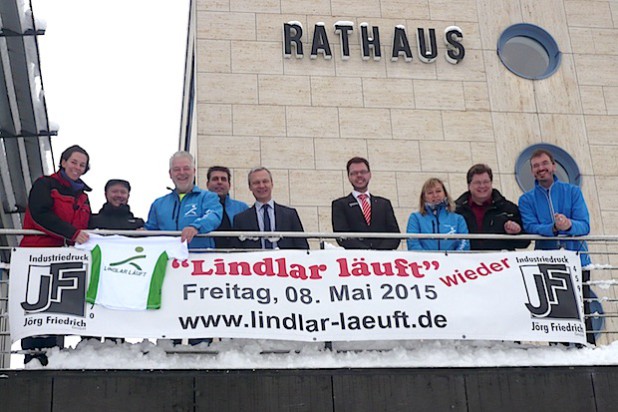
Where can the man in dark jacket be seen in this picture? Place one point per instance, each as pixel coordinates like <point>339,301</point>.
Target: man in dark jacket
<point>487,211</point>
<point>266,215</point>
<point>364,212</point>
<point>116,213</point>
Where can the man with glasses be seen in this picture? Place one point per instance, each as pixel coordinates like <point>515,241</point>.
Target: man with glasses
<point>554,208</point>
<point>487,211</point>
<point>361,211</point>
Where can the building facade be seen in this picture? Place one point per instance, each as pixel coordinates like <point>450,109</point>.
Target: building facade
<point>249,101</point>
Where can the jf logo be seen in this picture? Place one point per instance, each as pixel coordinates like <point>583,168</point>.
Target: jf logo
<point>550,290</point>
<point>56,288</point>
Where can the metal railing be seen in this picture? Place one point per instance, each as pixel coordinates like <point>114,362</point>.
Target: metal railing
<point>603,251</point>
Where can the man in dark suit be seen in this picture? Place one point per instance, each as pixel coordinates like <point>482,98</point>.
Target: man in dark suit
<point>361,211</point>
<point>267,216</point>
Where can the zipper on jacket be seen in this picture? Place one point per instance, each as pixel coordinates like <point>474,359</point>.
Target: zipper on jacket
<point>549,203</point>
<point>175,213</point>
<point>552,212</point>
<point>436,228</point>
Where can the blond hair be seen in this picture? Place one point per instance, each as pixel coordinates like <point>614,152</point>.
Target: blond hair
<point>429,183</point>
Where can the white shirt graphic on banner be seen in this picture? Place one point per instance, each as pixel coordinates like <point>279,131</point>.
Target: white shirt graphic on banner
<point>128,273</point>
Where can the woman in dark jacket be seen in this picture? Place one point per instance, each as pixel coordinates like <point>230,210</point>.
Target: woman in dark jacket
<point>58,206</point>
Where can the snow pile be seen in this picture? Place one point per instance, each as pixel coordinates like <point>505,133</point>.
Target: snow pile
<point>256,354</point>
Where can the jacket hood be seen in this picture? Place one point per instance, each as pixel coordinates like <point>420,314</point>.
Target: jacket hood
<point>439,207</point>
<point>66,183</point>
<point>193,190</point>
<point>108,208</point>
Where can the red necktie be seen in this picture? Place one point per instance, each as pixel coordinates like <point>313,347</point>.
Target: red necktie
<point>366,207</point>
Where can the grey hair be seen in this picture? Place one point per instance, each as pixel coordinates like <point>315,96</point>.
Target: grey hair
<point>179,154</point>
<point>258,169</point>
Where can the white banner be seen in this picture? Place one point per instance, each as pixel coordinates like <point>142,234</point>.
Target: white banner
<point>326,295</point>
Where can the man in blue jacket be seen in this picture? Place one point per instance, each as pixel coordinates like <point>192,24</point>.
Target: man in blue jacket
<point>554,208</point>
<point>219,182</point>
<point>187,208</point>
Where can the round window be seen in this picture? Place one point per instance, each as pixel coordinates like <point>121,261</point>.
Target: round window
<point>529,51</point>
<point>566,168</point>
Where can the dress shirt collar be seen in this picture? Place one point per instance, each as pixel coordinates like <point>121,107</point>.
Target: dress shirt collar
<point>260,205</point>
<point>356,193</point>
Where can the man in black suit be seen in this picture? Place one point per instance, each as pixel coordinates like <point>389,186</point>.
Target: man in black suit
<point>267,216</point>
<point>361,211</point>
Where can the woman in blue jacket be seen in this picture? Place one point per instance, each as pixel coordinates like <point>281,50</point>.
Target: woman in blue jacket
<point>436,215</point>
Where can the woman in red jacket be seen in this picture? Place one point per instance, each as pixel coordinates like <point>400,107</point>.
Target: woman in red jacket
<point>58,206</point>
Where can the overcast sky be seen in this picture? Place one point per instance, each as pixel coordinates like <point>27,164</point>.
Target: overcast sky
<point>113,77</point>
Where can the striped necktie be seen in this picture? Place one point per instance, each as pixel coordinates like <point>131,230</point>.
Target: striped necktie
<point>366,207</point>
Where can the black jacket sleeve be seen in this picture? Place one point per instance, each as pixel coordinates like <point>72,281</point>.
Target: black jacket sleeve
<point>514,215</point>
<point>391,227</point>
<point>245,222</point>
<point>340,224</point>
<point>41,205</point>
<point>297,226</point>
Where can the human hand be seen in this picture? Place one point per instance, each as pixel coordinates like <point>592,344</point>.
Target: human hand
<point>562,222</point>
<point>511,227</point>
<point>188,233</point>
<point>82,237</point>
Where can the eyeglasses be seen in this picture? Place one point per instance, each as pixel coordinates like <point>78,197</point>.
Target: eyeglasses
<point>480,183</point>
<point>545,163</point>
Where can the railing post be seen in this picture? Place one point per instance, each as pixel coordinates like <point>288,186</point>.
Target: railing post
<point>5,338</point>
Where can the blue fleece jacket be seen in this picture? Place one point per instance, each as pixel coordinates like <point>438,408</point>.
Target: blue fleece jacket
<point>538,206</point>
<point>234,207</point>
<point>438,221</point>
<point>198,208</point>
